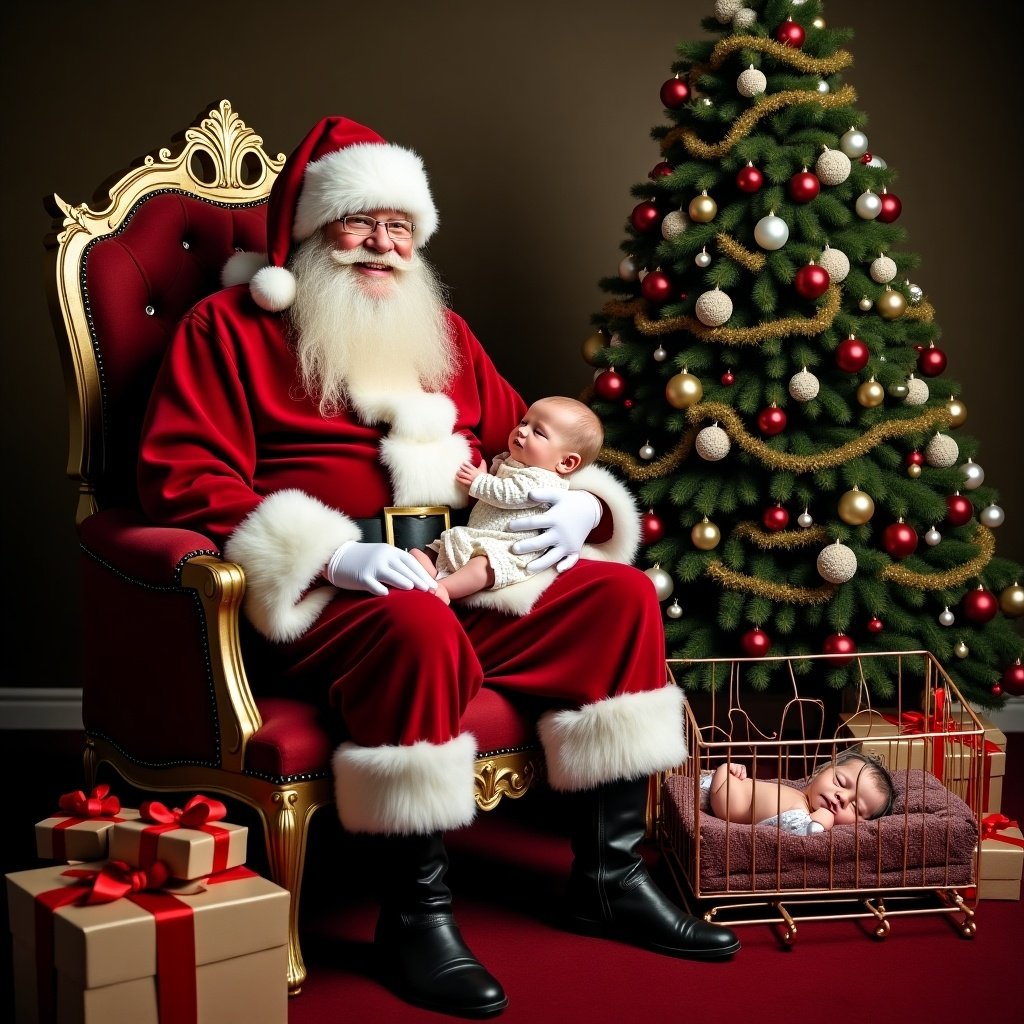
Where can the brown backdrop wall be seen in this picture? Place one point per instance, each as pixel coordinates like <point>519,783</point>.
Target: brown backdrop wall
<point>533,119</point>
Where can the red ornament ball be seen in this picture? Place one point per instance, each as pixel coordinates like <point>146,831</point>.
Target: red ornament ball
<point>839,643</point>
<point>852,355</point>
<point>891,208</point>
<point>728,378</point>
<point>804,186</point>
<point>674,93</point>
<point>771,421</point>
<point>1013,680</point>
<point>997,690</point>
<point>811,281</point>
<point>610,385</point>
<point>645,215</point>
<point>980,605</point>
<point>656,286</point>
<point>653,528</point>
<point>958,510</point>
<point>915,458</point>
<point>899,540</point>
<point>789,33</point>
<point>875,624</point>
<point>749,179</point>
<point>866,158</point>
<point>755,643</point>
<point>775,518</point>
<point>660,170</point>
<point>931,361</point>
<point>627,403</point>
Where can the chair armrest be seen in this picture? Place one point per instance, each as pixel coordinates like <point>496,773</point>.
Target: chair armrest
<point>154,560</point>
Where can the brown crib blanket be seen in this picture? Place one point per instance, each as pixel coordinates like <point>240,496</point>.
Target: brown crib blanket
<point>927,840</point>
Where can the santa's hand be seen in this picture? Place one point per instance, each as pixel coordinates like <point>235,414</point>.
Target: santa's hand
<point>376,567</point>
<point>564,528</point>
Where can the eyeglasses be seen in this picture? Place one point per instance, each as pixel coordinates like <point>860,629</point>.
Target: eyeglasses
<point>359,224</point>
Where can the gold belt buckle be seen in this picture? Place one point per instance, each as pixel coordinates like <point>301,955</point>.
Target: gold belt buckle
<point>392,512</point>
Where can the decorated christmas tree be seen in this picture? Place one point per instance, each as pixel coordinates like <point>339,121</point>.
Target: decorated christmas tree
<point>773,387</point>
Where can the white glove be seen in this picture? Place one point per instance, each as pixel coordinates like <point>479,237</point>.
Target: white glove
<point>564,527</point>
<point>375,567</point>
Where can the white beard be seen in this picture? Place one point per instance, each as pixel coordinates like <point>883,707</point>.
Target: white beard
<point>367,336</point>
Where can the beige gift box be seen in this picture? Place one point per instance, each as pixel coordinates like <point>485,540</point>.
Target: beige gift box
<point>1001,865</point>
<point>905,750</point>
<point>187,852</point>
<point>83,839</point>
<point>105,955</point>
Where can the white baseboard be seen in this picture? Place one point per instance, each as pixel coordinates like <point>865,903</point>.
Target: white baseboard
<point>40,708</point>
<point>1010,718</point>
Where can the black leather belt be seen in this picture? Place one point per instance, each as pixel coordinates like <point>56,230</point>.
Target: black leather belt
<point>410,526</point>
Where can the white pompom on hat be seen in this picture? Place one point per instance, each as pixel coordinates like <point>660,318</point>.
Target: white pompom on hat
<point>340,167</point>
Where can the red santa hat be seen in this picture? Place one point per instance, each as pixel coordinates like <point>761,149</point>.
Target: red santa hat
<point>340,167</point>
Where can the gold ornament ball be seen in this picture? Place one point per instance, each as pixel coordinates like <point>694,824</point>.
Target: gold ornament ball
<point>913,471</point>
<point>891,305</point>
<point>958,411</point>
<point>856,507</point>
<point>702,208</point>
<point>1011,601</point>
<point>592,347</point>
<point>870,394</point>
<point>683,390</point>
<point>705,536</point>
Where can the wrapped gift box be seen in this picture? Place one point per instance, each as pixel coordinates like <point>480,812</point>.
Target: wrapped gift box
<point>215,953</point>
<point>190,849</point>
<point>1002,858</point>
<point>955,757</point>
<point>65,837</point>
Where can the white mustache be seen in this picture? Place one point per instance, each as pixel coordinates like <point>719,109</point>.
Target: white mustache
<point>349,257</point>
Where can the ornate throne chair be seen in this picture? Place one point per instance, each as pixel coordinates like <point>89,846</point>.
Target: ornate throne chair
<point>167,702</point>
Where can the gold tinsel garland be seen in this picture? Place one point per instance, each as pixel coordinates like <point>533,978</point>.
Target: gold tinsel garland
<point>728,246</point>
<point>806,326</point>
<point>780,592</point>
<point>743,124</point>
<point>634,469</point>
<point>786,539</point>
<point>923,311</point>
<point>782,53</point>
<point>956,577</point>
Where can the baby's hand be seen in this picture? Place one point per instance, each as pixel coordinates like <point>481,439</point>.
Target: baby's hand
<point>738,771</point>
<point>824,817</point>
<point>468,472</point>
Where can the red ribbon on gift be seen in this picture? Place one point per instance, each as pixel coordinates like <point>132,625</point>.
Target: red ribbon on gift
<point>918,722</point>
<point>196,814</point>
<point>993,824</point>
<point>177,1001</point>
<point>97,806</point>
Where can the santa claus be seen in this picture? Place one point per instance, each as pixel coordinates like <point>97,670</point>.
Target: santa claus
<point>327,381</point>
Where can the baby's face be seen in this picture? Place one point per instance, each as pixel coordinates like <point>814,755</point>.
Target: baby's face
<point>847,791</point>
<point>539,439</point>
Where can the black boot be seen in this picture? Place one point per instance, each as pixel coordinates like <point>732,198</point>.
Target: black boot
<point>422,955</point>
<point>610,890</point>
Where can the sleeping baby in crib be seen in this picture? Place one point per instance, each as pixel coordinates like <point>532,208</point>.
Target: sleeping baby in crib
<point>854,785</point>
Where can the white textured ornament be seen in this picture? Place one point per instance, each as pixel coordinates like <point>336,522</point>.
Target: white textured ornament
<point>713,308</point>
<point>771,232</point>
<point>853,143</point>
<point>726,10</point>
<point>803,386</point>
<point>941,452</point>
<point>882,269</point>
<point>628,269</point>
<point>974,475</point>
<point>712,443</point>
<point>868,205</point>
<point>832,167</point>
<point>917,391</point>
<point>751,82</point>
<point>992,516</point>
<point>837,563</point>
<point>744,18</point>
<point>836,262</point>
<point>674,224</point>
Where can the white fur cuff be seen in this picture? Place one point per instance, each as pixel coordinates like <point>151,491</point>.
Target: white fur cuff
<point>625,737</point>
<point>405,790</point>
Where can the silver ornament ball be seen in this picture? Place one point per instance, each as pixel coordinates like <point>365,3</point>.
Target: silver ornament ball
<point>932,537</point>
<point>868,205</point>
<point>647,452</point>
<point>865,303</point>
<point>822,86</point>
<point>961,650</point>
<point>805,519</point>
<point>674,610</point>
<point>992,515</point>
<point>853,143</point>
<point>660,355</point>
<point>916,293</point>
<point>663,584</point>
<point>974,475</point>
<point>628,270</point>
<point>771,232</point>
<point>702,259</point>
<point>946,617</point>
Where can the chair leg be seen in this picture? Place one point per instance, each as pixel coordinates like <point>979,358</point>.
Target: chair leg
<point>285,825</point>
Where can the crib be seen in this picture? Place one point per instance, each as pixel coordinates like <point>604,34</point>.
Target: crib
<point>922,858</point>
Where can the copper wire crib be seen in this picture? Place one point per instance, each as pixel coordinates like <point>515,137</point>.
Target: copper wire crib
<point>922,858</point>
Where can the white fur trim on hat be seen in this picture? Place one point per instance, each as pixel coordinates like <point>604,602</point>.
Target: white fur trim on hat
<point>405,790</point>
<point>360,178</point>
<point>242,267</point>
<point>624,737</point>
<point>273,288</point>
<point>282,545</point>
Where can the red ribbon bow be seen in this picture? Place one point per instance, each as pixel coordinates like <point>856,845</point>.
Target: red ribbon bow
<point>117,879</point>
<point>98,804</point>
<point>993,824</point>
<point>197,812</point>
